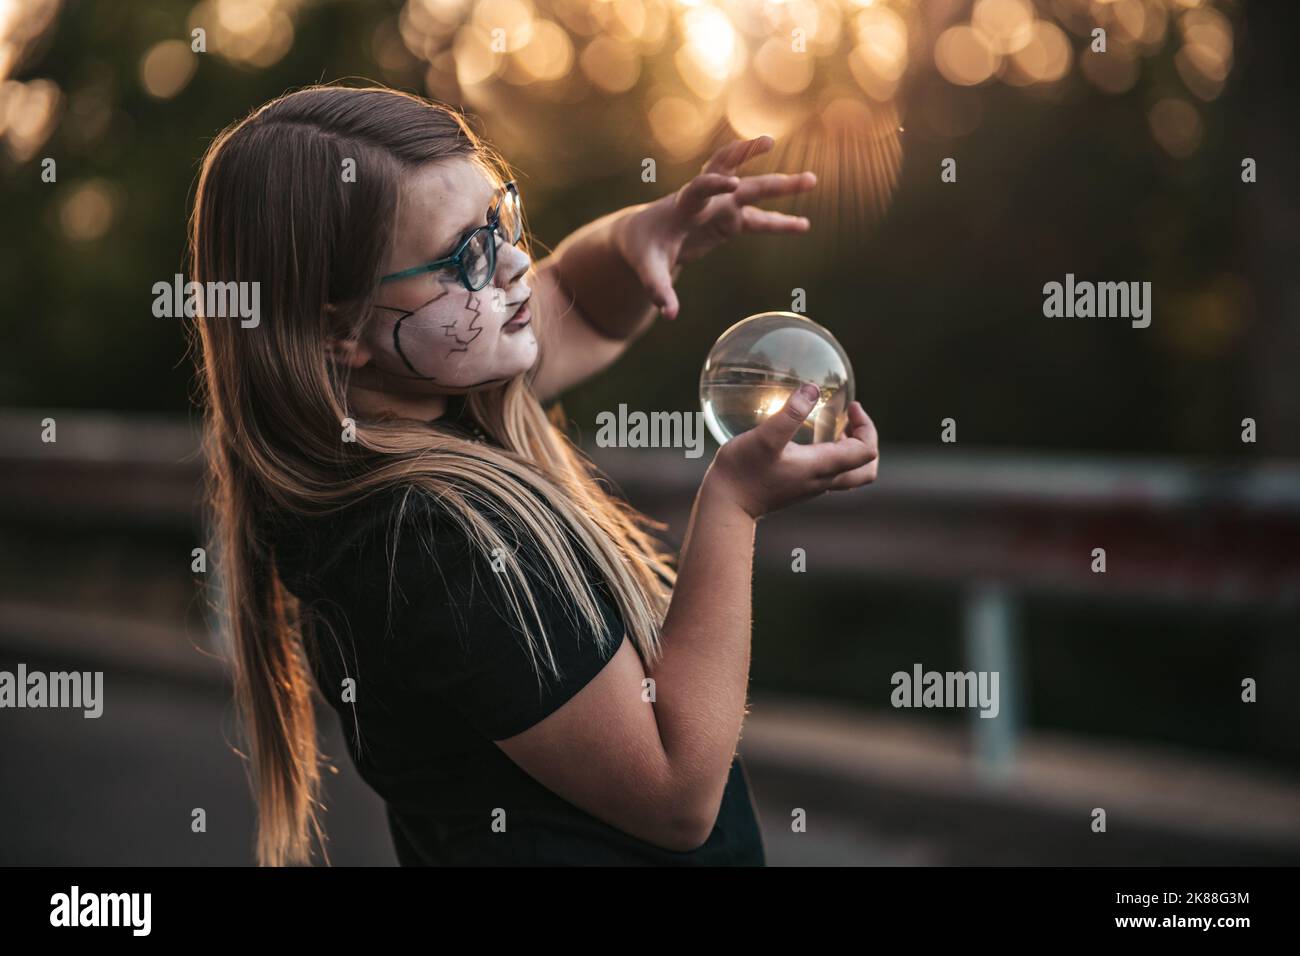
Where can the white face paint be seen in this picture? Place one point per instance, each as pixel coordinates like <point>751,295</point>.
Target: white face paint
<point>430,336</point>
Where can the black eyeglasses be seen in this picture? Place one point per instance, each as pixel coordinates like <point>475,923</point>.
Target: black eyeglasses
<point>475,259</point>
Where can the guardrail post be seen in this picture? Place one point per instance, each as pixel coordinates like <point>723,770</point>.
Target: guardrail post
<point>991,646</point>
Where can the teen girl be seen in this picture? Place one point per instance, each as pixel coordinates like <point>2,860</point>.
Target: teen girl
<point>520,672</point>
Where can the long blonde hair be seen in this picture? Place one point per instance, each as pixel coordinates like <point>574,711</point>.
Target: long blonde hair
<point>271,207</point>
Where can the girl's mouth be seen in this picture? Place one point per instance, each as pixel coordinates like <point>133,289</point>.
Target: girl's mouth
<point>519,320</point>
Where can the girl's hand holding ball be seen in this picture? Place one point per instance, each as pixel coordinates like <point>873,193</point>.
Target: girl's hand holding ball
<point>763,471</point>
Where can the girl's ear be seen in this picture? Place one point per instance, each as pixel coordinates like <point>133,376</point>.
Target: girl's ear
<point>348,352</point>
<point>342,350</point>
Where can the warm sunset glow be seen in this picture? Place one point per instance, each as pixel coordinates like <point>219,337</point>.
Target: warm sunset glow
<point>831,76</point>
<point>831,79</point>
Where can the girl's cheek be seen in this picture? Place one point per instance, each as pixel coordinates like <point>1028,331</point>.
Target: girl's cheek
<point>493,303</point>
<point>457,332</point>
<point>448,338</point>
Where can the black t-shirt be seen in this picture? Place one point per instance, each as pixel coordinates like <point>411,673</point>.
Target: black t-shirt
<point>442,670</point>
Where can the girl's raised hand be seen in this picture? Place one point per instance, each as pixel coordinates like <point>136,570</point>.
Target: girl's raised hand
<point>710,209</point>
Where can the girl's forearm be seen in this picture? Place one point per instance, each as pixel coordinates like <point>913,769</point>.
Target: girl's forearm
<point>702,678</point>
<point>605,289</point>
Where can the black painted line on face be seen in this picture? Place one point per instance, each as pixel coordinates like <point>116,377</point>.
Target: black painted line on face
<point>397,342</point>
<point>397,332</point>
<point>476,329</point>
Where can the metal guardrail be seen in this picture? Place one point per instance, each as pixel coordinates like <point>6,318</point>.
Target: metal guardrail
<point>996,525</point>
<point>95,448</point>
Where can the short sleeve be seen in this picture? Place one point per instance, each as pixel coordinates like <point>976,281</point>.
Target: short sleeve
<point>453,633</point>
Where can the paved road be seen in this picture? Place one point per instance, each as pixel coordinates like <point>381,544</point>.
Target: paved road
<point>119,790</point>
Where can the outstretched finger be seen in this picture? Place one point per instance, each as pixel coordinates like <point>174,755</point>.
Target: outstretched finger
<point>766,220</point>
<point>658,282</point>
<point>771,185</point>
<point>696,194</point>
<point>738,153</point>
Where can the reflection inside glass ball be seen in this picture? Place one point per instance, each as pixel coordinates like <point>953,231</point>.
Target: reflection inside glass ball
<point>755,365</point>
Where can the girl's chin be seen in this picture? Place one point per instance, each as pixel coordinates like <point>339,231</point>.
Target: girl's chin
<point>521,343</point>
<point>520,358</point>
<point>509,362</point>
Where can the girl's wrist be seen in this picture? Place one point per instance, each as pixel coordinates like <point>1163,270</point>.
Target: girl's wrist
<point>621,232</point>
<point>719,495</point>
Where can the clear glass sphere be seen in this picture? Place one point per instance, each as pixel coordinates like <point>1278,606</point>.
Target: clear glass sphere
<point>755,365</point>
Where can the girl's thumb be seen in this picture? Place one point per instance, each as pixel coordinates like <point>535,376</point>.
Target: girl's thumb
<point>780,428</point>
<point>803,399</point>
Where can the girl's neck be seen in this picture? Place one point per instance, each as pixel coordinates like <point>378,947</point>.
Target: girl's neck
<point>370,402</point>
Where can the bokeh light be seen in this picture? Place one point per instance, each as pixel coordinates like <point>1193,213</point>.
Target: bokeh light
<point>251,32</point>
<point>88,210</point>
<point>965,56</point>
<point>1176,126</point>
<point>834,77</point>
<point>167,67</point>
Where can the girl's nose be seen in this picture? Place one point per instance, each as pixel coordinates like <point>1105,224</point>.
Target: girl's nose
<point>512,263</point>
